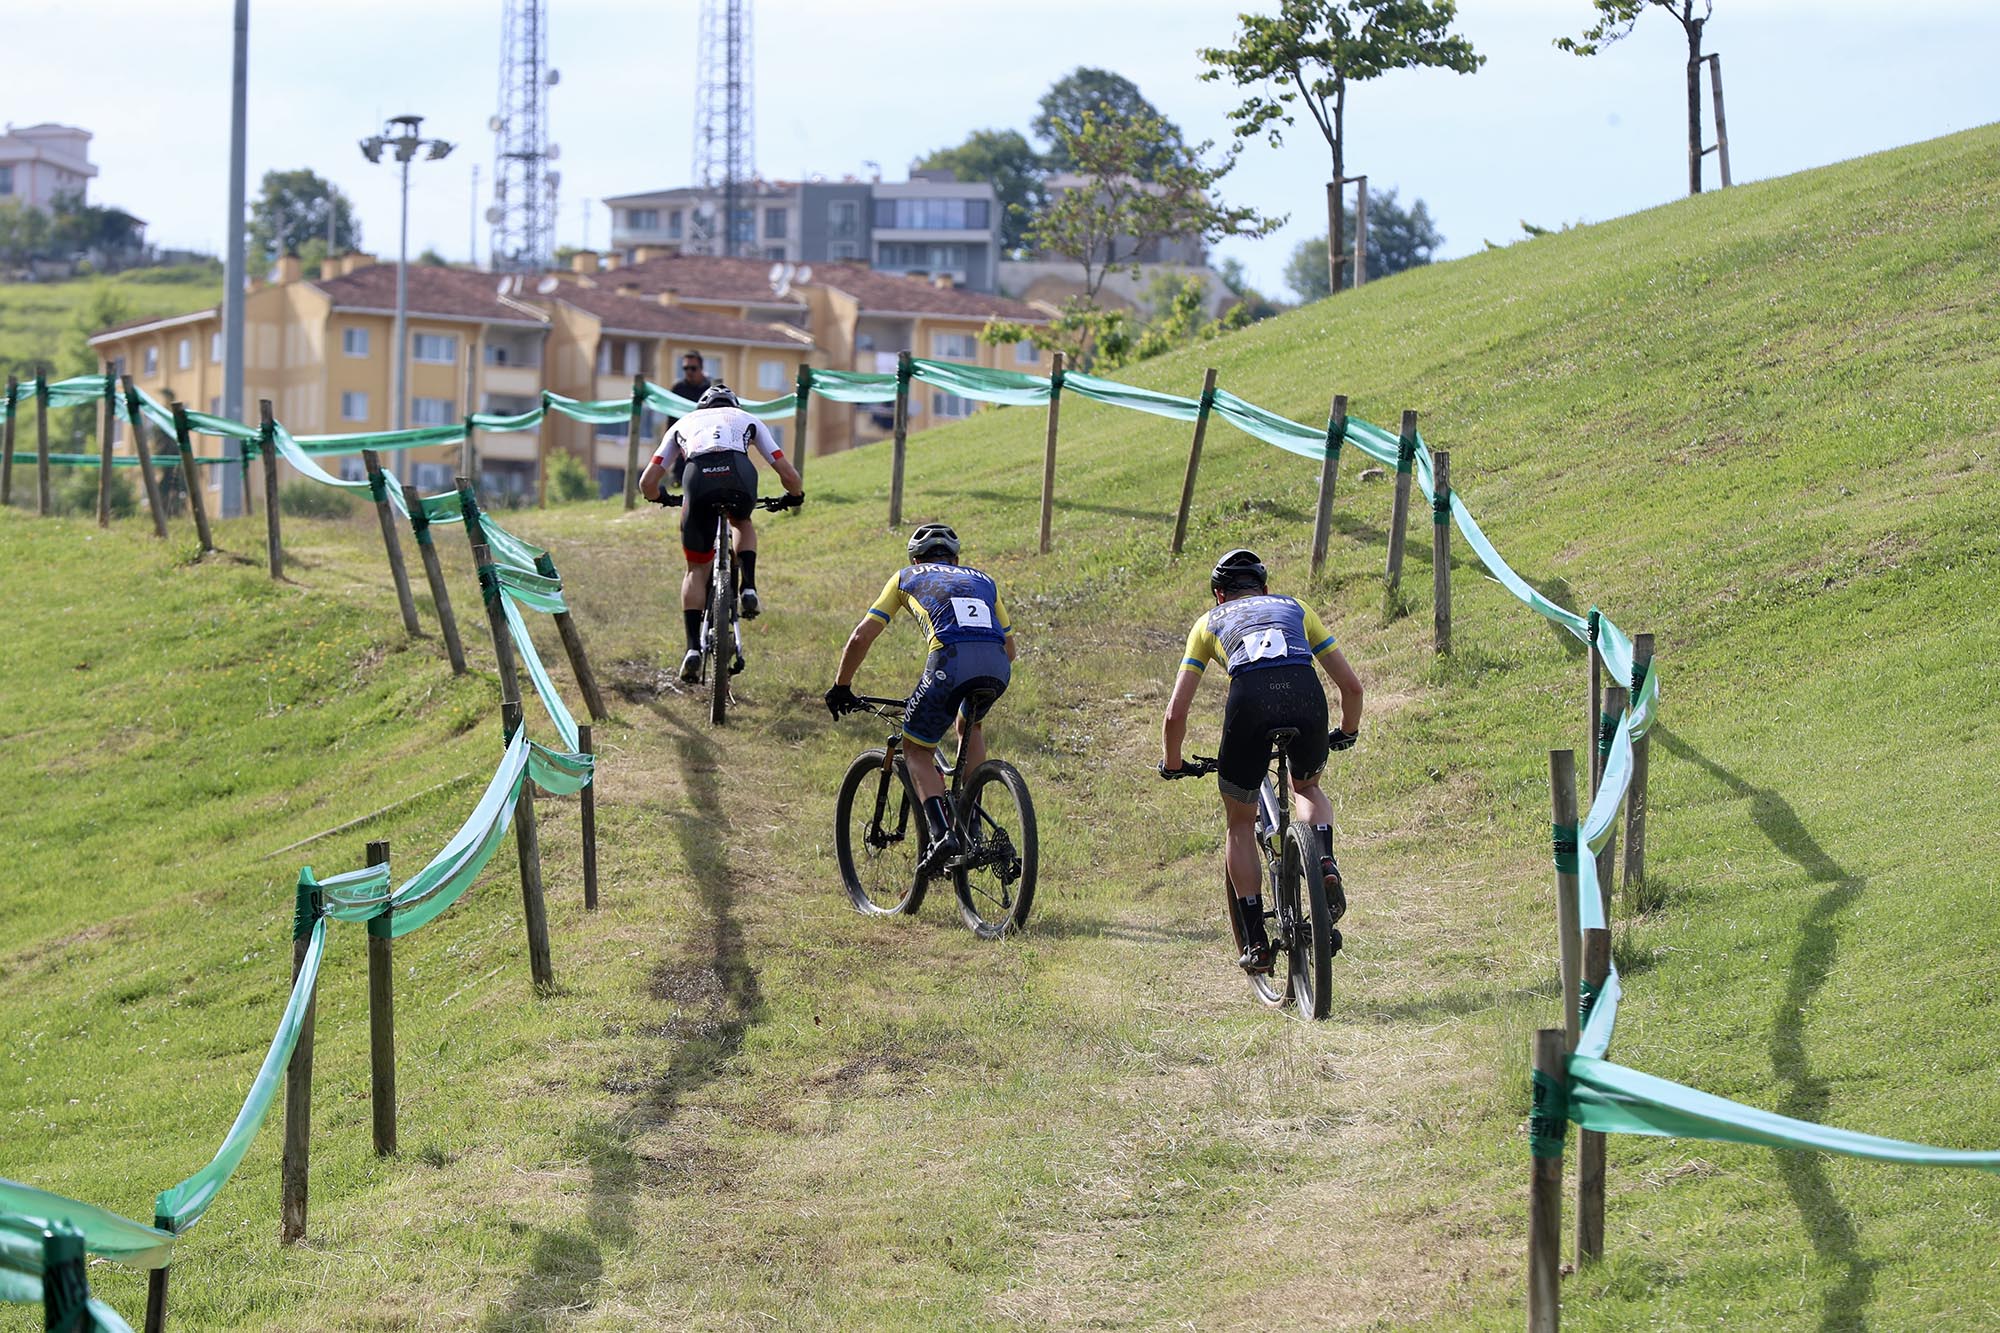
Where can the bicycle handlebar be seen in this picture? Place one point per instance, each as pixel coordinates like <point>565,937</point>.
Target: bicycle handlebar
<point>773,503</point>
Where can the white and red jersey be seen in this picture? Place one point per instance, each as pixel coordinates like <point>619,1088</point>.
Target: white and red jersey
<point>710,430</point>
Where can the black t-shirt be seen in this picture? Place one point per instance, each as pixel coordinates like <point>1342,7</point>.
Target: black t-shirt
<point>691,390</point>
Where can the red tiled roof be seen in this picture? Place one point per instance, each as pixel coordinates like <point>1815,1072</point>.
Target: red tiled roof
<point>698,278</point>
<point>917,296</point>
<point>433,290</point>
<point>638,314</point>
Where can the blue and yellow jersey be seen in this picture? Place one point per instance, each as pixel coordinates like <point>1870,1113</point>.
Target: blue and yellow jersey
<point>1248,633</point>
<point>953,604</point>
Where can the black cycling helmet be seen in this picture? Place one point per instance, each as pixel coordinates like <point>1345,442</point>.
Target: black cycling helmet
<point>718,394</point>
<point>928,540</point>
<point>1237,571</point>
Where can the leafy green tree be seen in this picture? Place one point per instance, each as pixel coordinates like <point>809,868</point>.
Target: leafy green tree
<point>431,257</point>
<point>1255,304</point>
<point>1309,52</point>
<point>1111,97</point>
<point>24,232</point>
<point>291,209</point>
<point>1615,20</point>
<point>1007,160</point>
<point>1398,239</point>
<point>1108,220</point>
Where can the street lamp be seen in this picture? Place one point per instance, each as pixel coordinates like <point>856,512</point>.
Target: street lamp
<point>401,134</point>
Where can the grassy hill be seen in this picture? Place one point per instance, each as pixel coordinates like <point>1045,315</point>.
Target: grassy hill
<point>46,322</point>
<point>1761,423</point>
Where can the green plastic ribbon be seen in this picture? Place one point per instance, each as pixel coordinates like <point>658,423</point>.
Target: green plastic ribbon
<point>23,1208</point>
<point>1548,1117</point>
<point>1563,838</point>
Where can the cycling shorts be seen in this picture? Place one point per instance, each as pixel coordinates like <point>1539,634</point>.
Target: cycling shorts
<point>1259,703</point>
<point>717,482</point>
<point>952,674</point>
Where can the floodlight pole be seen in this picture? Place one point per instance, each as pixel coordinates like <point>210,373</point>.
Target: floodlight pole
<point>232,270</point>
<point>401,133</point>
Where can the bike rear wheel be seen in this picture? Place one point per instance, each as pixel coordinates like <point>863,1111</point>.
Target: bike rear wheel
<point>721,643</point>
<point>1310,958</point>
<point>995,881</point>
<point>878,836</point>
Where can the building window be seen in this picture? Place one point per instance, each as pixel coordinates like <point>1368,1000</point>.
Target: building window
<point>183,353</point>
<point>844,250</point>
<point>955,346</point>
<point>774,224</point>
<point>612,430</point>
<point>743,225</point>
<point>431,411</point>
<point>152,362</point>
<point>950,407</point>
<point>433,477</point>
<point>353,405</point>
<point>932,258</point>
<point>353,469</point>
<point>771,375</point>
<point>1027,354</point>
<point>932,214</point>
<point>774,252</point>
<point>674,225</point>
<point>642,219</point>
<point>6,180</point>
<point>436,348</point>
<point>354,342</point>
<point>215,349</point>
<point>843,217</point>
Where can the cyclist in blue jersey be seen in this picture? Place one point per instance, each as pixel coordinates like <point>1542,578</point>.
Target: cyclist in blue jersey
<point>1266,644</point>
<point>971,647</point>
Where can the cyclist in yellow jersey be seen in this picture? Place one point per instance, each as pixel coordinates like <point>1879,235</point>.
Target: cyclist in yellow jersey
<point>1266,645</point>
<point>970,642</point>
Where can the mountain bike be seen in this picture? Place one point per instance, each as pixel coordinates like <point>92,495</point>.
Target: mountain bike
<point>722,592</point>
<point>1299,918</point>
<point>880,834</point>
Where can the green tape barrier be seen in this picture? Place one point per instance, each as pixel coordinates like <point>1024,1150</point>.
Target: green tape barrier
<point>1562,838</point>
<point>45,1264</point>
<point>1548,1123</point>
<point>552,701</point>
<point>105,1233</point>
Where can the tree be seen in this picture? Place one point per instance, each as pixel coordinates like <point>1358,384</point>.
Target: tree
<point>431,257</point>
<point>1311,51</point>
<point>290,209</point>
<point>1255,304</point>
<point>24,232</point>
<point>1110,96</point>
<point>1007,160</point>
<point>1615,20</point>
<point>1398,239</point>
<point>1107,221</point>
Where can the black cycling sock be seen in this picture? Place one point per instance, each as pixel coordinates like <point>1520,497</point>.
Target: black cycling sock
<point>748,561</point>
<point>1253,919</point>
<point>1325,832</point>
<point>692,619</point>
<point>939,815</point>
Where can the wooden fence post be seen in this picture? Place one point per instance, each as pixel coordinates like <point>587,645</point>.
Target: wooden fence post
<point>468,453</point>
<point>382,1018</point>
<point>534,909</point>
<point>156,1298</point>
<point>147,481</point>
<point>184,441</point>
<point>378,486</point>
<point>267,448</point>
<point>1406,461</point>
<point>1635,801</point>
<point>572,642</point>
<point>1049,450</point>
<point>1596,701</point>
<point>632,441</point>
<point>1562,830</point>
<point>7,442</point>
<point>1548,1126</point>
<point>1441,551</point>
<point>900,447</point>
<point>108,419</point>
<point>1607,728</point>
<point>298,1085</point>
<point>585,744</point>
<point>1590,1143</point>
<point>1194,458</point>
<point>420,524</point>
<point>801,417</point>
<point>1329,472</point>
<point>43,502</point>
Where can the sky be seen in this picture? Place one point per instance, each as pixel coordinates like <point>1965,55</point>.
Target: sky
<point>1536,135</point>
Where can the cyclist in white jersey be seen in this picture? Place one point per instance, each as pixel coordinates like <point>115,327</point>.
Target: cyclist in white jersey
<point>715,441</point>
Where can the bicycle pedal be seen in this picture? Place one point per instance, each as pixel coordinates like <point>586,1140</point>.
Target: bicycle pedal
<point>736,667</point>
<point>1333,942</point>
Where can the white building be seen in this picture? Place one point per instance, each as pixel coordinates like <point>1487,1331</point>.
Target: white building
<point>38,163</point>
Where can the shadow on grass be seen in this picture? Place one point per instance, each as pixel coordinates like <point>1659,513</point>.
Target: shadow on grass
<point>1829,1223</point>
<point>717,999</point>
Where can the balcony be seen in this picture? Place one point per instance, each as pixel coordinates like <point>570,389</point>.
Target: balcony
<point>521,381</point>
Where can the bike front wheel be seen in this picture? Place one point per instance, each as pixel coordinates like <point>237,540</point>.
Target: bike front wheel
<point>1310,957</point>
<point>995,878</point>
<point>720,642</point>
<point>878,837</point>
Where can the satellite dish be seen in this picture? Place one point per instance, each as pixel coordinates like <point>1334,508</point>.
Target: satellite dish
<point>805,273</point>
<point>554,178</point>
<point>504,279</point>
<point>547,285</point>
<point>495,124</point>
<point>554,77</point>
<point>776,275</point>
<point>555,151</point>
<point>493,214</point>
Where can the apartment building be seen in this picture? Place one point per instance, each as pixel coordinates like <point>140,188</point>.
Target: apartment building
<point>320,351</point>
<point>930,225</point>
<point>39,163</point>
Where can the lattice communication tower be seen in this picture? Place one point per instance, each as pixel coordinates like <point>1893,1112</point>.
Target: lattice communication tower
<point>523,213</point>
<point>725,129</point>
